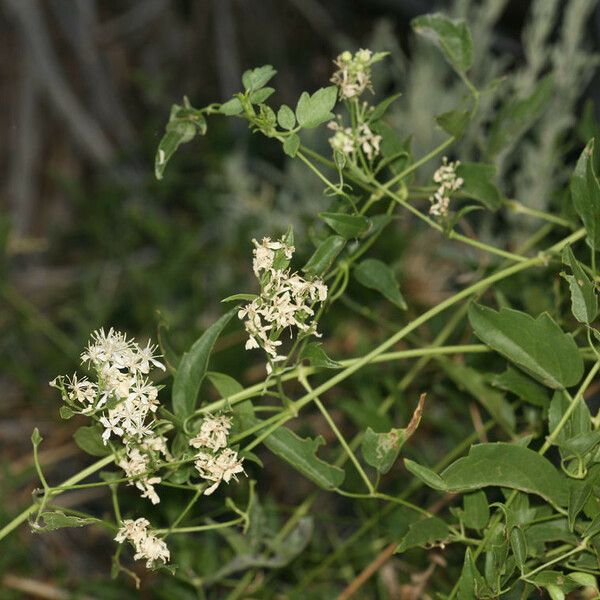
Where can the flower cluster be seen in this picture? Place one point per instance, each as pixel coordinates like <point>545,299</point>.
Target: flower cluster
<point>146,544</point>
<point>215,462</point>
<point>353,75</point>
<point>347,141</point>
<point>285,300</point>
<point>448,182</point>
<point>122,399</point>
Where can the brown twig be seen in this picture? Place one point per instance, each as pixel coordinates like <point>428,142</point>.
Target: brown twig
<point>383,557</point>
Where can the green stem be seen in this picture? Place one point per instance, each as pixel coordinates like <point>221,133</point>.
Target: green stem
<point>453,235</point>
<point>198,528</point>
<point>22,517</point>
<point>426,316</point>
<point>304,381</point>
<point>560,558</point>
<point>414,166</point>
<point>184,512</point>
<point>517,207</point>
<point>572,406</point>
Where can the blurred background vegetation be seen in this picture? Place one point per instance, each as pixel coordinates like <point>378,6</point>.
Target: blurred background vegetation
<point>88,238</point>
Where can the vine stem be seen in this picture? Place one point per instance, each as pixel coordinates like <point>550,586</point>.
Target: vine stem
<point>293,373</point>
<point>304,381</point>
<point>22,517</point>
<point>572,406</point>
<point>575,550</point>
<point>426,316</point>
<point>453,235</point>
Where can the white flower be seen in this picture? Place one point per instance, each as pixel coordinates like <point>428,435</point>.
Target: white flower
<point>144,357</point>
<point>137,463</point>
<point>152,549</point>
<point>218,467</point>
<point>132,530</point>
<point>347,141</point>
<point>285,301</point>
<point>82,390</point>
<point>343,138</point>
<point>147,488</point>
<point>111,425</point>
<point>146,544</point>
<point>449,182</point>
<point>368,141</point>
<point>156,443</point>
<point>213,433</point>
<point>264,254</point>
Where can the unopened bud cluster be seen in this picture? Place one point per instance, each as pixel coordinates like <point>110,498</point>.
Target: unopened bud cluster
<point>353,74</point>
<point>448,182</point>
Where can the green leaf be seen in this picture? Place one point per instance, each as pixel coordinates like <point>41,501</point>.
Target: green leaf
<point>424,533</point>
<point>316,109</point>
<point>555,530</point>
<point>467,378</point>
<point>380,110</point>
<point>231,107</point>
<point>254,79</point>
<point>348,226</point>
<point>476,511</point>
<point>537,346</point>
<point>585,191</point>
<point>65,412</point>
<point>193,366</point>
<point>317,357</point>
<point>286,117</point>
<point>301,454</point>
<point>324,255</point>
<point>584,580</point>
<point>238,297</point>
<point>376,275</point>
<point>584,302</point>
<point>380,450</point>
<point>89,439</point>
<point>478,185</point>
<point>225,384</point>
<point>451,36</point>
<point>555,583</point>
<point>259,96</point>
<point>579,494</point>
<point>291,145</point>
<point>454,122</point>
<point>184,123</point>
<point>510,466</point>
<point>579,421</point>
<point>58,520</point>
<point>518,543</point>
<point>471,584</point>
<point>580,444</point>
<point>177,133</point>
<point>517,116</point>
<point>426,475</point>
<point>522,386</point>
